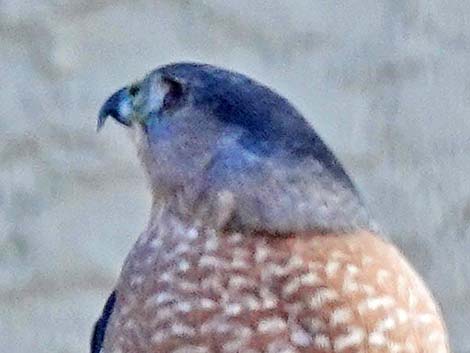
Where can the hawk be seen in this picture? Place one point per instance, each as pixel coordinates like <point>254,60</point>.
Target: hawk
<point>258,240</point>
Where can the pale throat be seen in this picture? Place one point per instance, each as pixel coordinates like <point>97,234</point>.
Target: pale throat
<point>167,228</point>
<point>188,209</point>
<point>272,198</point>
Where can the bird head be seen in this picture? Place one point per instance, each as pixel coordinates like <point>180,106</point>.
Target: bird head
<point>204,133</point>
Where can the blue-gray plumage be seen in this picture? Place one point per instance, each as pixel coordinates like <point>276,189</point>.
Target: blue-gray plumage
<point>209,131</point>
<point>99,330</point>
<point>257,239</point>
<point>268,121</point>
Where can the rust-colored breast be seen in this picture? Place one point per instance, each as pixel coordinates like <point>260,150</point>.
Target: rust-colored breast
<point>201,292</point>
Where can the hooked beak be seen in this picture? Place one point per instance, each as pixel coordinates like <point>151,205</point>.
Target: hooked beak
<point>119,106</point>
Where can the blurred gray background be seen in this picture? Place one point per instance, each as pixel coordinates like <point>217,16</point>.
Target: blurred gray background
<point>385,82</point>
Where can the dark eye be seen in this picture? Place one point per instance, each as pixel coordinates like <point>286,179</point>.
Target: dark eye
<point>134,90</point>
<point>173,97</point>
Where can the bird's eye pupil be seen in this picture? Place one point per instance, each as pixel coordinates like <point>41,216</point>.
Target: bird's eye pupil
<point>133,91</point>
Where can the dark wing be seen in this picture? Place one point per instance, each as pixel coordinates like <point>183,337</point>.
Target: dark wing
<point>100,326</point>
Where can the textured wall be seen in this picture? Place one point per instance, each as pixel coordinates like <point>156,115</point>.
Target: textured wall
<point>386,83</point>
